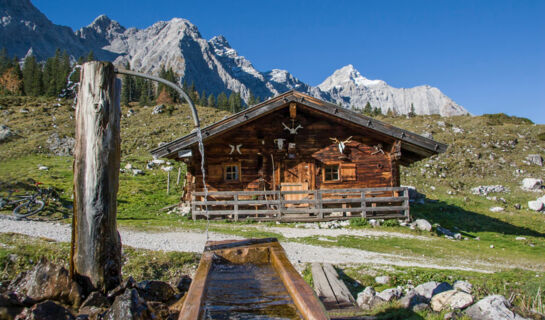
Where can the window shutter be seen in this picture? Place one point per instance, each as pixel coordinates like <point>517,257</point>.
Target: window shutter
<point>348,172</point>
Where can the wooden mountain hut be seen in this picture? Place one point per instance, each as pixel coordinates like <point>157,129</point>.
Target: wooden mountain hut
<point>298,158</point>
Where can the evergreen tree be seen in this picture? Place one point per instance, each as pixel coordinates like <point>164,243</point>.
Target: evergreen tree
<point>235,102</point>
<point>145,92</point>
<point>368,110</point>
<point>412,113</point>
<point>377,112</point>
<point>170,76</point>
<point>223,102</point>
<point>202,99</point>
<point>252,100</point>
<point>90,56</point>
<point>32,77</point>
<point>5,62</point>
<point>128,88</point>
<point>211,101</point>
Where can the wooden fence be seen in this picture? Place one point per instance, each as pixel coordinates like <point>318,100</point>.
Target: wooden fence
<point>305,205</point>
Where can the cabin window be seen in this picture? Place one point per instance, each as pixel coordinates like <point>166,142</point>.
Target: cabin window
<point>331,172</point>
<point>231,172</point>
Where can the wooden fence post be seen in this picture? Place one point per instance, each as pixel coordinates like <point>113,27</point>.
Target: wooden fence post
<point>95,253</point>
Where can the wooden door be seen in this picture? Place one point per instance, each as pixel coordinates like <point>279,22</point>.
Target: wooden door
<point>295,176</point>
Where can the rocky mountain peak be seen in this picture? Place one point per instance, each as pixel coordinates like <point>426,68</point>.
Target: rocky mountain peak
<point>348,76</point>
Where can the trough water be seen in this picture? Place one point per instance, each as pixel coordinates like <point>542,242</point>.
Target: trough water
<point>246,291</point>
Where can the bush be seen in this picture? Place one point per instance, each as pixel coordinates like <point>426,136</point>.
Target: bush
<point>359,222</point>
<point>498,119</point>
<point>391,223</point>
<point>541,136</point>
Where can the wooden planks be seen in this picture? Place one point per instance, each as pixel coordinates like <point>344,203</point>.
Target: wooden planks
<point>330,288</point>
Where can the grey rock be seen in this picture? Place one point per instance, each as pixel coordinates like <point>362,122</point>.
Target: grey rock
<point>451,299</point>
<point>429,289</point>
<point>485,190</point>
<point>494,307</point>
<point>382,279</point>
<point>535,159</point>
<point>367,299</point>
<point>47,310</point>
<point>129,306</point>
<point>390,294</point>
<point>158,109</point>
<point>411,299</point>
<point>448,233</point>
<point>154,290</point>
<point>96,299</point>
<point>6,133</point>
<point>128,283</point>
<point>531,184</point>
<point>420,307</point>
<point>464,286</point>
<point>48,281</point>
<point>61,146</point>
<point>428,135</point>
<point>422,224</point>
<point>137,172</point>
<point>535,205</point>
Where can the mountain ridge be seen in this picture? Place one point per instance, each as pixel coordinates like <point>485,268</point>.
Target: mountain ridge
<point>212,65</point>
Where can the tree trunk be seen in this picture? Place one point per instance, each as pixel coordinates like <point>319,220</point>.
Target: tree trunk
<point>95,257</point>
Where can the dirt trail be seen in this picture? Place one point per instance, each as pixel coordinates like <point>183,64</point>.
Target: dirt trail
<point>192,241</point>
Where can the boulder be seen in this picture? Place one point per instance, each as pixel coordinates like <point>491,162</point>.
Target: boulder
<point>422,224</point>
<point>367,299</point>
<point>494,307</point>
<point>485,190</point>
<point>535,205</point>
<point>48,281</point>
<point>429,289</point>
<point>382,279</point>
<point>128,283</point>
<point>155,290</point>
<point>47,310</point>
<point>61,146</point>
<point>129,306</point>
<point>390,294</point>
<point>420,307</point>
<point>531,184</point>
<point>158,109</point>
<point>183,283</point>
<point>5,133</point>
<point>463,286</point>
<point>96,299</point>
<point>451,299</point>
<point>411,299</point>
<point>535,159</point>
<point>496,209</point>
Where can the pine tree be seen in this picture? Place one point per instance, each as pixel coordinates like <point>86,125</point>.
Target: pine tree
<point>202,99</point>
<point>368,110</point>
<point>235,102</point>
<point>5,62</point>
<point>32,77</point>
<point>412,113</point>
<point>223,102</point>
<point>251,99</point>
<point>212,101</point>
<point>128,88</point>
<point>90,56</point>
<point>170,76</point>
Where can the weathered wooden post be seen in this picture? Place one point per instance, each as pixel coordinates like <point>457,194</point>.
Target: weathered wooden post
<point>95,257</point>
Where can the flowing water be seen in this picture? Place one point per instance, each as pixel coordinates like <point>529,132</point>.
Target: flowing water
<point>246,291</point>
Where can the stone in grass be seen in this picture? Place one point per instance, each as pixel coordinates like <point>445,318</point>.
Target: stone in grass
<point>367,299</point>
<point>154,290</point>
<point>494,307</point>
<point>422,224</point>
<point>496,209</point>
<point>411,299</point>
<point>464,286</point>
<point>531,184</point>
<point>429,289</point>
<point>382,279</point>
<point>535,205</point>
<point>390,294</point>
<point>451,299</point>
<point>535,159</point>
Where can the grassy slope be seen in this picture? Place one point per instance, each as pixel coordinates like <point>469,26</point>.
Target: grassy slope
<point>446,178</point>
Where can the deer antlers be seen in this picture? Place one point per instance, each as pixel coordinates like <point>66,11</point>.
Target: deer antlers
<point>340,143</point>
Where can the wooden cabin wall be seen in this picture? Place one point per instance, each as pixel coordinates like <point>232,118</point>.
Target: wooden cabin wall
<point>314,148</point>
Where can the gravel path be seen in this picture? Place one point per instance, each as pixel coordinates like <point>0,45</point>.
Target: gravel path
<point>304,232</point>
<point>191,241</point>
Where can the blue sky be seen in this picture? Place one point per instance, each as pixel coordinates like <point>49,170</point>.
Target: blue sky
<point>488,56</point>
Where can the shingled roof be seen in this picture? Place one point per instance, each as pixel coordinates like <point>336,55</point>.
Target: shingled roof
<point>416,145</point>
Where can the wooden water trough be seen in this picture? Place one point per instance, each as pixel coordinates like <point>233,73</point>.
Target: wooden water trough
<point>249,279</point>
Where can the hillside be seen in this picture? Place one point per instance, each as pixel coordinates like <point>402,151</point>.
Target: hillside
<point>484,150</point>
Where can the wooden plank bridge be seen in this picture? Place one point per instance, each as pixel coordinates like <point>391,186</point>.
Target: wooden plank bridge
<point>303,205</point>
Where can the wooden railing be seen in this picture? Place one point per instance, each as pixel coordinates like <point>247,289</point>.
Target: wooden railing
<point>304,205</point>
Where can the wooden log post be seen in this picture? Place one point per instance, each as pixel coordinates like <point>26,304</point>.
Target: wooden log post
<point>95,255</point>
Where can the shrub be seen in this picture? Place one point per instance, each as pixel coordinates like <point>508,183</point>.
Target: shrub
<point>498,119</point>
<point>358,222</point>
<point>391,223</point>
<point>541,136</point>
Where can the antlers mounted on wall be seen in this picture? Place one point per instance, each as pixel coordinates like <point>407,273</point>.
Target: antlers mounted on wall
<point>340,143</point>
